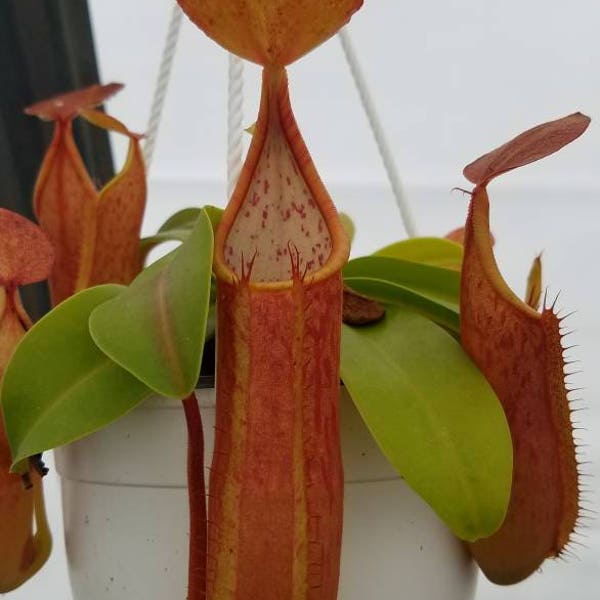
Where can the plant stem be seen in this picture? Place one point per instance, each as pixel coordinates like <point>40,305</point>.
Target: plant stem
<point>197,500</point>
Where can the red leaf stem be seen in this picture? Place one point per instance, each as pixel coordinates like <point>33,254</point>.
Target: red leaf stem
<point>197,500</point>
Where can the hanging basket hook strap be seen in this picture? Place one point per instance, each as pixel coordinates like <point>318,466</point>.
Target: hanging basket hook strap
<point>162,83</point>
<point>378,133</point>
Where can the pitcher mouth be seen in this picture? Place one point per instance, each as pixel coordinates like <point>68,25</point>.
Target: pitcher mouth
<point>317,246</point>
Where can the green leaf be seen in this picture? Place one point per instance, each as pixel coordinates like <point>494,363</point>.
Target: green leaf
<point>432,291</point>
<point>438,252</point>
<point>214,214</point>
<point>156,328</point>
<point>348,225</point>
<point>435,417</point>
<point>59,386</point>
<point>182,219</point>
<point>178,227</point>
<point>175,229</point>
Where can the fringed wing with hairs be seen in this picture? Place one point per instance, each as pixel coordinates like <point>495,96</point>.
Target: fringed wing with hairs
<point>519,350</point>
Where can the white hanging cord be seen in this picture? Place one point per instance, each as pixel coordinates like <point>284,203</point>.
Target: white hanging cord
<point>378,133</point>
<point>162,83</point>
<point>235,117</point>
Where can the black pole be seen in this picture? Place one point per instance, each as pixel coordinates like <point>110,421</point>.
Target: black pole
<point>46,47</point>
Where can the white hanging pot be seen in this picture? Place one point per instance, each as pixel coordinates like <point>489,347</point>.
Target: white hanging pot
<point>126,514</point>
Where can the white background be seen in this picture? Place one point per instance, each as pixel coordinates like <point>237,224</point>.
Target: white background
<point>452,79</point>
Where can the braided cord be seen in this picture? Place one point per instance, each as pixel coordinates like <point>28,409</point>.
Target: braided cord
<point>162,83</point>
<point>378,133</point>
<point>235,116</point>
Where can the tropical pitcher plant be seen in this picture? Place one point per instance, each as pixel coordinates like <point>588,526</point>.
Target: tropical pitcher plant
<point>497,459</point>
<point>520,352</point>
<point>26,256</point>
<point>95,233</point>
<point>275,509</point>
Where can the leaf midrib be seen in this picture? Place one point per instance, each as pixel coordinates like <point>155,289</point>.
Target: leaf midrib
<point>166,332</point>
